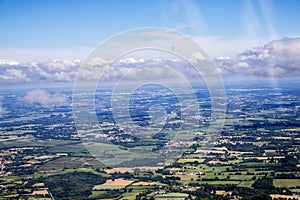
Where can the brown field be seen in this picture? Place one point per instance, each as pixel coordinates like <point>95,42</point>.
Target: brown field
<point>284,196</point>
<point>222,192</point>
<point>110,184</point>
<point>185,160</point>
<point>40,192</point>
<point>117,182</point>
<point>188,177</point>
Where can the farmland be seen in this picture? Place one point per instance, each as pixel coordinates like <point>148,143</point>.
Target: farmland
<point>287,183</point>
<point>256,156</point>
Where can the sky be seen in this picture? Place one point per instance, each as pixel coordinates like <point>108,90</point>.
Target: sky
<point>70,29</point>
<point>49,40</point>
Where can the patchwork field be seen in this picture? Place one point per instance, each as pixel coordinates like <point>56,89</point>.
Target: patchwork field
<point>287,183</point>
<point>172,196</point>
<point>185,160</point>
<point>143,183</point>
<point>113,184</point>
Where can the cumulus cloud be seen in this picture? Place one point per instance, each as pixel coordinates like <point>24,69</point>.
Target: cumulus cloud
<point>44,98</point>
<point>2,110</point>
<point>12,72</point>
<point>278,58</point>
<point>149,70</point>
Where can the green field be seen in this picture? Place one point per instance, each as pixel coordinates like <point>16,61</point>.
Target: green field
<point>295,190</point>
<point>172,196</point>
<point>63,162</point>
<point>286,182</point>
<point>221,182</point>
<point>107,187</point>
<point>246,184</point>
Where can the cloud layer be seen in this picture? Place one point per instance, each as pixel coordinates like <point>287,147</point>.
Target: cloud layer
<point>2,110</point>
<point>16,72</point>
<point>44,98</point>
<point>278,58</point>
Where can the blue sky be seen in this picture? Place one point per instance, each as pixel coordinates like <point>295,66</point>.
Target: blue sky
<point>72,26</point>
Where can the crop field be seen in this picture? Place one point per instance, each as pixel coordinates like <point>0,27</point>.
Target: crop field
<point>225,182</point>
<point>256,156</point>
<point>172,196</point>
<point>113,184</point>
<point>143,183</point>
<point>63,162</point>
<point>185,160</point>
<point>277,196</point>
<point>129,169</point>
<point>286,182</point>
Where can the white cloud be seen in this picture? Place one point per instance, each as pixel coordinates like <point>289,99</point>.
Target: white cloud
<point>2,110</point>
<point>278,58</point>
<point>17,74</point>
<point>8,62</point>
<point>44,98</point>
<point>129,60</point>
<point>12,72</point>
